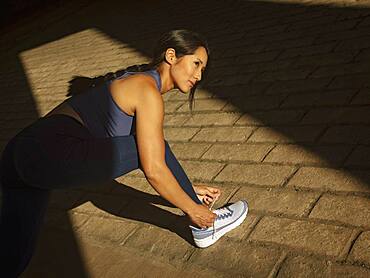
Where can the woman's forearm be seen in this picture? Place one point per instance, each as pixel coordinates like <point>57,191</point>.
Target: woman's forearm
<point>164,182</point>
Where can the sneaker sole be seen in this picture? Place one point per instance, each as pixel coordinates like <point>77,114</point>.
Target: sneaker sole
<point>203,243</point>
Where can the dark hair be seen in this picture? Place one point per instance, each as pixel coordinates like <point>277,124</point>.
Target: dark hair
<point>185,42</point>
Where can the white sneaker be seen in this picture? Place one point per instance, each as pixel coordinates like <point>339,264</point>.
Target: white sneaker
<point>227,219</point>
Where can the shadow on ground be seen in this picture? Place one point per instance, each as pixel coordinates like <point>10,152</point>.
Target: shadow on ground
<point>287,66</point>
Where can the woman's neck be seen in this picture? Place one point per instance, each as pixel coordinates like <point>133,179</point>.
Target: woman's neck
<point>166,80</point>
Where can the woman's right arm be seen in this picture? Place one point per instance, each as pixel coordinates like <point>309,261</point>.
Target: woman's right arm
<point>149,111</point>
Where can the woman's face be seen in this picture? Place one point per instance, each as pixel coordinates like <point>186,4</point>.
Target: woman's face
<point>187,70</point>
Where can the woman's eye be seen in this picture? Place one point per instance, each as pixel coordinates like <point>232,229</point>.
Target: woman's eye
<point>197,64</point>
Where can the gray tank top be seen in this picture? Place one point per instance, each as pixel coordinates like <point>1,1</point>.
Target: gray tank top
<point>101,115</point>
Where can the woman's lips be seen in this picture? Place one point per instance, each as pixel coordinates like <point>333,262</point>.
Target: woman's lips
<point>191,84</point>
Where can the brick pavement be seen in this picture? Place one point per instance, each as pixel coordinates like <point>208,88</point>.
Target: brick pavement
<point>282,121</point>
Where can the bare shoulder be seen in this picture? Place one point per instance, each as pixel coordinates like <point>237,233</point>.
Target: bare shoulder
<point>136,91</point>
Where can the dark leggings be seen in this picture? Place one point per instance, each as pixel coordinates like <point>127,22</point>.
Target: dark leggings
<point>57,152</point>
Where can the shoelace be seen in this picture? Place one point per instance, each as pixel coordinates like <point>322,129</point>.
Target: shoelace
<point>222,213</point>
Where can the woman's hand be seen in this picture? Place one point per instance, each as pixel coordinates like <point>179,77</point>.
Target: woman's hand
<point>202,217</point>
<point>207,194</point>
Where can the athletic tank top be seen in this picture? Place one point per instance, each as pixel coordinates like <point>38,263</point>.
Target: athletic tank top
<point>101,115</point>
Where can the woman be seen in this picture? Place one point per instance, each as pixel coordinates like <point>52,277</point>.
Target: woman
<point>102,134</point>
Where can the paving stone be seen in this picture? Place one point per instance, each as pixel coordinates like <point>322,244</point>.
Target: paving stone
<point>258,174</point>
<point>212,119</point>
<point>355,81</point>
<point>160,242</point>
<point>179,134</point>
<point>282,202</point>
<point>359,158</point>
<point>172,106</point>
<point>204,105</point>
<point>350,210</point>
<point>275,117</point>
<point>238,259</point>
<point>327,179</point>
<point>360,252</point>
<point>245,228</point>
<point>297,86</point>
<point>290,74</point>
<point>359,115</point>
<point>253,103</point>
<point>345,69</point>
<point>331,98</point>
<point>241,152</point>
<point>107,229</point>
<point>323,115</point>
<point>225,134</point>
<point>134,187</point>
<point>323,60</point>
<point>102,205</point>
<point>175,120</point>
<point>309,155</point>
<point>352,134</point>
<point>189,150</point>
<point>363,97</point>
<point>201,170</point>
<point>65,199</point>
<point>301,267</point>
<point>286,134</point>
<point>315,238</point>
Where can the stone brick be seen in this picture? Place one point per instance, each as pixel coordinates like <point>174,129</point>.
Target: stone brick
<point>282,202</point>
<point>133,186</point>
<point>175,120</point>
<point>353,115</point>
<point>360,252</point>
<point>352,134</point>
<point>172,106</point>
<point>253,103</point>
<point>225,134</point>
<point>292,74</point>
<point>238,259</point>
<point>275,117</point>
<point>322,115</point>
<point>327,179</point>
<point>350,210</point>
<point>258,174</point>
<point>286,134</point>
<point>301,267</point>
<point>212,119</point>
<point>201,170</point>
<point>297,86</point>
<point>351,68</point>
<point>251,89</point>
<point>102,205</point>
<point>160,242</point>
<point>189,150</point>
<point>315,238</point>
<point>65,199</point>
<point>328,59</point>
<point>241,152</point>
<point>332,98</point>
<point>107,229</point>
<point>363,97</point>
<point>359,158</point>
<point>204,105</point>
<point>245,228</point>
<point>307,50</point>
<point>350,81</point>
<point>308,155</point>
<point>179,134</point>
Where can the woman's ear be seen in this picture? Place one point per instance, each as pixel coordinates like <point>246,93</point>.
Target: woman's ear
<point>170,56</point>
